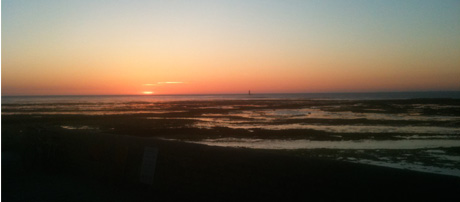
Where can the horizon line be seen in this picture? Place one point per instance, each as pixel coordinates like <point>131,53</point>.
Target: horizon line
<point>252,93</point>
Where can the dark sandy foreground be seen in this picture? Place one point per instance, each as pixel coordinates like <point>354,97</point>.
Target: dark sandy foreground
<point>63,165</point>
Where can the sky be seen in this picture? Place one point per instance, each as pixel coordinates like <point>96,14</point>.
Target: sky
<point>86,47</point>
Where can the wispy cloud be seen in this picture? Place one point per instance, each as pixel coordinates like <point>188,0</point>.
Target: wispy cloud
<point>162,83</point>
<point>170,82</point>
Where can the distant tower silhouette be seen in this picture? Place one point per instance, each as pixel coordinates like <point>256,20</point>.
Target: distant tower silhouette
<point>249,92</point>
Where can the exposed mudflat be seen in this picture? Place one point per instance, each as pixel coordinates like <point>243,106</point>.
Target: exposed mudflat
<point>235,149</point>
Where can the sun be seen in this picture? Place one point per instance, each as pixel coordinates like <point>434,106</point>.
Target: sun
<point>147,92</point>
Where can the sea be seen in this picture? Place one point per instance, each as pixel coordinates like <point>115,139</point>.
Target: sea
<point>346,127</point>
<point>193,97</point>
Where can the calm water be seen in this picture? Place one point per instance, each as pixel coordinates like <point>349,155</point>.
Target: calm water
<point>160,98</point>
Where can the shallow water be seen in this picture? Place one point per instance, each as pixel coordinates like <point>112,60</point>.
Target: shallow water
<point>417,155</point>
<point>78,127</point>
<point>415,135</point>
<point>267,119</point>
<point>333,128</point>
<point>310,144</point>
<point>312,113</point>
<point>92,113</point>
<point>411,166</point>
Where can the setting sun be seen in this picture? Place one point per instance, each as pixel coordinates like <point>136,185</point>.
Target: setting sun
<point>219,47</point>
<point>147,92</point>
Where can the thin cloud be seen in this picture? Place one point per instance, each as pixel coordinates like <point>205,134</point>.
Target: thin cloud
<point>170,82</point>
<point>162,83</point>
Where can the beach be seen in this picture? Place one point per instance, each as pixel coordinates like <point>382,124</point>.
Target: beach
<point>227,150</point>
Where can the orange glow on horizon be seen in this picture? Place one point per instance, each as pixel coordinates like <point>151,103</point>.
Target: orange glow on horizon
<point>215,47</point>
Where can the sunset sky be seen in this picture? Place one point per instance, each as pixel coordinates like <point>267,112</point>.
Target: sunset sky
<point>74,47</point>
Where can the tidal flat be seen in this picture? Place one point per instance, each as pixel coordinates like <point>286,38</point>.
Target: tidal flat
<point>234,149</point>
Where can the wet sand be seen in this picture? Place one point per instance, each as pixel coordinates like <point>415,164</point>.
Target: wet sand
<point>88,166</point>
<point>42,161</point>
